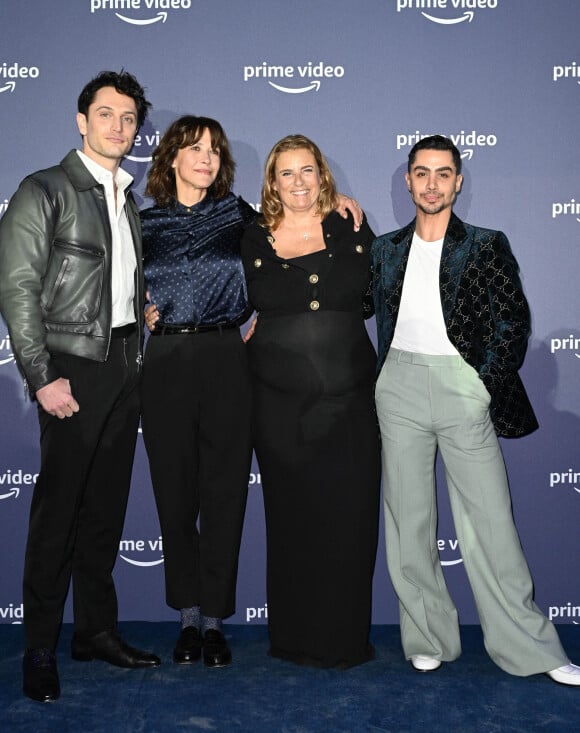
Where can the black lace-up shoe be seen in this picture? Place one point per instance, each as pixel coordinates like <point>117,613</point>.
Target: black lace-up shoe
<point>216,652</point>
<point>188,647</point>
<point>40,677</point>
<point>110,647</point>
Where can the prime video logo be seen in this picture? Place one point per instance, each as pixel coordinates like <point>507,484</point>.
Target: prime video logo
<point>149,6</point>
<point>12,481</point>
<point>455,11</point>
<point>567,343</point>
<point>567,612</point>
<point>127,548</point>
<point>12,613</point>
<point>566,208</point>
<point>466,142</point>
<point>453,545</point>
<point>570,71</point>
<point>147,140</point>
<point>6,355</point>
<point>10,72</point>
<point>259,613</point>
<point>297,79</point>
<point>567,478</point>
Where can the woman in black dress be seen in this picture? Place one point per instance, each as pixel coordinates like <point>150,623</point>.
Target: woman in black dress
<point>315,433</point>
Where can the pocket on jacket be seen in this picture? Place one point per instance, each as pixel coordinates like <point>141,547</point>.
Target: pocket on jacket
<point>73,284</point>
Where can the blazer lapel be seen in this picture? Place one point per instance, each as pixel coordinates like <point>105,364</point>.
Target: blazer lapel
<point>397,256</point>
<point>456,248</point>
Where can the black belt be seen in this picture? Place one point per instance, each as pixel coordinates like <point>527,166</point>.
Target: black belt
<point>123,331</point>
<point>172,329</point>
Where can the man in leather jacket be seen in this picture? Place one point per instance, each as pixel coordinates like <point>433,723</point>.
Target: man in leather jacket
<point>71,293</point>
<point>453,325</point>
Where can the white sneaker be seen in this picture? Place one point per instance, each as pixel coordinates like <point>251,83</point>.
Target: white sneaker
<point>569,674</point>
<point>423,663</point>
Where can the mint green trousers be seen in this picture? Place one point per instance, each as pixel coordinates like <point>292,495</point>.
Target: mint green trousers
<point>430,403</point>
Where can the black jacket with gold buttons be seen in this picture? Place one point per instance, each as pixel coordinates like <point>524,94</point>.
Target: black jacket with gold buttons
<point>330,287</point>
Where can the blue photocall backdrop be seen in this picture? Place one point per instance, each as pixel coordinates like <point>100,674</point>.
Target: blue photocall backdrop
<point>365,80</point>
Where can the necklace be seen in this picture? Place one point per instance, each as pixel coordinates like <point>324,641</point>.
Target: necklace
<point>306,236</point>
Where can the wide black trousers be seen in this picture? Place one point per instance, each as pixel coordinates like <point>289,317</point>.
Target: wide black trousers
<point>317,443</point>
<point>80,498</point>
<point>196,427</point>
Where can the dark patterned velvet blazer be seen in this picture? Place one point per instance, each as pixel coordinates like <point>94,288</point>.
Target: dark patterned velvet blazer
<point>484,308</point>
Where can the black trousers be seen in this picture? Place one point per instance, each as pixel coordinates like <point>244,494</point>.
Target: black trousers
<point>196,426</point>
<point>80,498</point>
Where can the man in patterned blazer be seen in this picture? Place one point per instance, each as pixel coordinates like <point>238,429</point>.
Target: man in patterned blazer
<point>453,325</point>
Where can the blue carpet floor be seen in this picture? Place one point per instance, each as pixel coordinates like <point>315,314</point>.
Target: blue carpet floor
<point>258,694</point>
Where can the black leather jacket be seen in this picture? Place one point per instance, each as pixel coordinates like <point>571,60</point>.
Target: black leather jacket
<point>55,269</point>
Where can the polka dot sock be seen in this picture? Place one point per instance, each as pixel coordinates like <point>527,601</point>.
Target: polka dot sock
<point>191,617</point>
<point>209,622</point>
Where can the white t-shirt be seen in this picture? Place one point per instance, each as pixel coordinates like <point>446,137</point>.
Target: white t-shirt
<point>420,326</point>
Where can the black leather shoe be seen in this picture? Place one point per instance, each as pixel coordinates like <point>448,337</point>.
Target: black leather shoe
<point>216,652</point>
<point>40,676</point>
<point>188,647</point>
<point>109,647</point>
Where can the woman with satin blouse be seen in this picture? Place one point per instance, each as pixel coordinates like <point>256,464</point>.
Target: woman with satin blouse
<point>196,395</point>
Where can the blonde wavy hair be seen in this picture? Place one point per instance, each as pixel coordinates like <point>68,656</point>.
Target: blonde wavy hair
<point>272,211</point>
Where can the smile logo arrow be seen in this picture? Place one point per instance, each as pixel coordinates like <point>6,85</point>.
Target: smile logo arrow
<point>450,21</point>
<point>160,17</point>
<point>315,85</point>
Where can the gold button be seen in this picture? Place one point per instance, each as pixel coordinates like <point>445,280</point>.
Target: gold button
<point>314,305</point>
<point>313,278</point>
<point>258,262</point>
<point>285,266</point>
<point>359,248</point>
